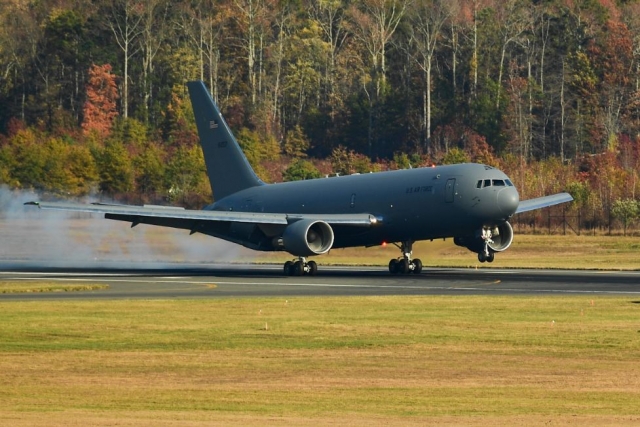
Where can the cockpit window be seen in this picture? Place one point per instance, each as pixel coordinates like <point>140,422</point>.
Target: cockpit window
<point>495,182</point>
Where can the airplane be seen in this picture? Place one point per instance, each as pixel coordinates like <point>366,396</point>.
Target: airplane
<point>471,203</point>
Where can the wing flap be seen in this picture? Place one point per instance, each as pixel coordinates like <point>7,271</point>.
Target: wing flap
<point>543,202</point>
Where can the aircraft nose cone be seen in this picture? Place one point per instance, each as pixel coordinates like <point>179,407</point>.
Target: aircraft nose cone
<point>508,200</point>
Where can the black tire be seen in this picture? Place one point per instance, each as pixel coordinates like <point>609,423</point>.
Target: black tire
<point>491,257</point>
<point>288,268</point>
<point>482,257</point>
<point>417,266</point>
<point>298,268</point>
<point>403,266</point>
<point>313,268</point>
<point>393,266</point>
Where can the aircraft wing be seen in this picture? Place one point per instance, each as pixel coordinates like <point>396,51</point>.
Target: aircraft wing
<point>187,219</point>
<point>543,202</point>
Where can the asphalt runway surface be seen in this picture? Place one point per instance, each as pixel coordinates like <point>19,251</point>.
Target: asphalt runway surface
<point>231,280</point>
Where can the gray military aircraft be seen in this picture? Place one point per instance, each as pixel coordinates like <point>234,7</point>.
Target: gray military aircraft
<point>471,203</point>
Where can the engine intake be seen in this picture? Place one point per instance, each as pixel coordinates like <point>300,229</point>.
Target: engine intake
<point>307,237</point>
<point>501,239</point>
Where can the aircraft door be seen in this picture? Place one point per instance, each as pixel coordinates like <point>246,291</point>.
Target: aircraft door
<point>450,190</point>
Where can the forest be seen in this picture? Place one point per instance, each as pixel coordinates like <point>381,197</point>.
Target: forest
<point>93,99</point>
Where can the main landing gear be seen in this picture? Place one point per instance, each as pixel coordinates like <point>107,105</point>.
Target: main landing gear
<point>300,267</point>
<point>405,264</point>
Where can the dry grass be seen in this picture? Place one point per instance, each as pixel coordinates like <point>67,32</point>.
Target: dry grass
<point>38,287</point>
<point>354,361</point>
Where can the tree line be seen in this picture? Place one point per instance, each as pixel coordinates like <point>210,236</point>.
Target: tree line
<point>92,95</point>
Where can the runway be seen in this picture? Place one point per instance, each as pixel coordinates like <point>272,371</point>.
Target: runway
<point>231,280</point>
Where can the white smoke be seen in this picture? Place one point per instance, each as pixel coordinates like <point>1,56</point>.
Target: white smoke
<point>30,236</point>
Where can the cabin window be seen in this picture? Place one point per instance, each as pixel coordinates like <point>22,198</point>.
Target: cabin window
<point>509,183</point>
<point>498,182</point>
<point>479,184</point>
<point>487,183</point>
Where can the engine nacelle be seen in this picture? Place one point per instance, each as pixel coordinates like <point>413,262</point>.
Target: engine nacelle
<point>501,238</point>
<point>307,237</point>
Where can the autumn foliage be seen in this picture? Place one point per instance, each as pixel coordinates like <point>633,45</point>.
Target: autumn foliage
<point>92,95</point>
<point>100,108</point>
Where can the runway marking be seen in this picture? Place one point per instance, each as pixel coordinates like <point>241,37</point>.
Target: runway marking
<point>46,274</point>
<point>282,282</point>
<point>426,287</point>
<point>449,288</point>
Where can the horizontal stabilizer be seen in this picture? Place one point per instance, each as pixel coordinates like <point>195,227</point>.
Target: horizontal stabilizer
<point>543,202</point>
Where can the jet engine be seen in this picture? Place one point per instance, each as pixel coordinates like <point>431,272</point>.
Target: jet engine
<point>307,237</point>
<point>498,238</point>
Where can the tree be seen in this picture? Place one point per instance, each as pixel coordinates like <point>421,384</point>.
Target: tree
<point>426,22</point>
<point>258,149</point>
<point>253,19</point>
<point>150,170</point>
<point>152,38</point>
<point>115,168</point>
<point>626,210</point>
<point>185,174</point>
<point>100,108</point>
<point>373,23</point>
<point>296,143</point>
<point>455,155</point>
<point>125,21</point>
<point>329,16</point>
<point>301,169</point>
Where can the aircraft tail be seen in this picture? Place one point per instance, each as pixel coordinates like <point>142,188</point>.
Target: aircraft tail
<point>228,169</point>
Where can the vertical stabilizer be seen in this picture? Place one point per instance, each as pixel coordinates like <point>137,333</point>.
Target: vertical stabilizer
<point>228,169</point>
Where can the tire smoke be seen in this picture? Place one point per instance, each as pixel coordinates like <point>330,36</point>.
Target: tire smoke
<point>31,237</point>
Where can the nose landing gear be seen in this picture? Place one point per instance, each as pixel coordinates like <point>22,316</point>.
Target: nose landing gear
<point>405,264</point>
<point>300,267</point>
<point>486,255</point>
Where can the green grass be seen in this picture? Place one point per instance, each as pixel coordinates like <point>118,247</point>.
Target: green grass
<point>303,361</point>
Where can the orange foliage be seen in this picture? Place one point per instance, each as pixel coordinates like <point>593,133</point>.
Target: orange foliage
<point>100,108</point>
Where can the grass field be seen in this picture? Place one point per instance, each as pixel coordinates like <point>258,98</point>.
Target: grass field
<point>321,361</point>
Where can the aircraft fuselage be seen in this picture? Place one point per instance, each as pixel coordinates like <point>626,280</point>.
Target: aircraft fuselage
<point>411,204</point>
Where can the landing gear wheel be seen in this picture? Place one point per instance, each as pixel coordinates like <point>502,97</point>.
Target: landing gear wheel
<point>482,257</point>
<point>288,268</point>
<point>491,257</point>
<point>298,268</point>
<point>393,266</point>
<point>417,266</point>
<point>403,266</point>
<point>312,268</point>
